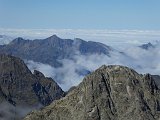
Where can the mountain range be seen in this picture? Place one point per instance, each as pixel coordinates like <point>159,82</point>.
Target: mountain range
<point>52,49</point>
<point>111,92</point>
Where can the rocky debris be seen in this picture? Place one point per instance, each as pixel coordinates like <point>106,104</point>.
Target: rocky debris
<point>110,93</point>
<point>19,87</point>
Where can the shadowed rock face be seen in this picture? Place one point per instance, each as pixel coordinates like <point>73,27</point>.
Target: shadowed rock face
<point>19,87</point>
<point>157,80</point>
<point>109,93</point>
<point>50,50</point>
<point>147,46</point>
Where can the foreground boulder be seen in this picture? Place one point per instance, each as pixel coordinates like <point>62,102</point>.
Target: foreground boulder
<point>109,93</point>
<point>19,88</point>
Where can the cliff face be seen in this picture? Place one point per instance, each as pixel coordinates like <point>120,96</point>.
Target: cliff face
<point>109,93</point>
<point>19,87</point>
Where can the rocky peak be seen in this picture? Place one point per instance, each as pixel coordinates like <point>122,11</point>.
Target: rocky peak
<point>38,74</point>
<point>12,65</point>
<point>17,80</point>
<point>147,46</point>
<point>18,40</point>
<point>53,37</point>
<point>20,88</point>
<point>110,93</point>
<point>54,48</point>
<point>79,40</point>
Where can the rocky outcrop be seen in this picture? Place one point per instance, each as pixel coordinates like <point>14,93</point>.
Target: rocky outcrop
<point>52,49</point>
<point>19,87</point>
<point>109,93</point>
<point>157,80</point>
<point>46,89</point>
<point>147,46</point>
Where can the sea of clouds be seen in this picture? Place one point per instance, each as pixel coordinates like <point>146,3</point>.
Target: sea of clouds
<point>126,41</point>
<point>126,52</point>
<point>142,60</point>
<point>112,37</point>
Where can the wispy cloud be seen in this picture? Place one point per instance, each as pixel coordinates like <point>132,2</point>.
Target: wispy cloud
<point>10,112</point>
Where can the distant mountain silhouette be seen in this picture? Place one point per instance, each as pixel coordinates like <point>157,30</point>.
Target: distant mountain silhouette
<point>147,46</point>
<point>53,48</point>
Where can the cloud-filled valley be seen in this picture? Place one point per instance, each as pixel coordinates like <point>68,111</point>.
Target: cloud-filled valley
<point>111,37</point>
<point>77,58</point>
<point>124,42</point>
<point>142,60</point>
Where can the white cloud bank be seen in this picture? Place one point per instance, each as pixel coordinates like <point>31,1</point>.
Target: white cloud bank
<point>143,61</point>
<point>111,37</point>
<point>124,40</point>
<point>10,112</point>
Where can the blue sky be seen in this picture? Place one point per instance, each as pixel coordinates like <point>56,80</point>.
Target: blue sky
<point>80,14</point>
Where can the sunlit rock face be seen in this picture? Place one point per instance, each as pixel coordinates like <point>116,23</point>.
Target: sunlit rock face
<point>109,93</point>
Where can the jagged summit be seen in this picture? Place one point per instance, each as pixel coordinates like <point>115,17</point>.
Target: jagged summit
<point>78,39</point>
<point>20,41</point>
<point>109,93</point>
<point>54,49</point>
<point>20,88</point>
<point>14,73</point>
<point>53,37</point>
<point>147,46</point>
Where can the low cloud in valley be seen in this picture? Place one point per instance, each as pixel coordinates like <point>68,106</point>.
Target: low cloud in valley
<point>73,70</point>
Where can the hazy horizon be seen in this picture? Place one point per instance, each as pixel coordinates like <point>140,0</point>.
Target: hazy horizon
<point>84,14</point>
<point>106,36</point>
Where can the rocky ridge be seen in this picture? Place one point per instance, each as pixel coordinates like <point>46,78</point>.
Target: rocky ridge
<point>52,49</point>
<point>19,87</point>
<point>110,93</point>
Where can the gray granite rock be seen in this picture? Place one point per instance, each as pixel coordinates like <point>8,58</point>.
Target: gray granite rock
<point>110,93</point>
<point>19,87</point>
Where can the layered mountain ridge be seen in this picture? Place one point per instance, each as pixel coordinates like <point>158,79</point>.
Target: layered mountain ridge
<point>52,49</point>
<point>110,93</point>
